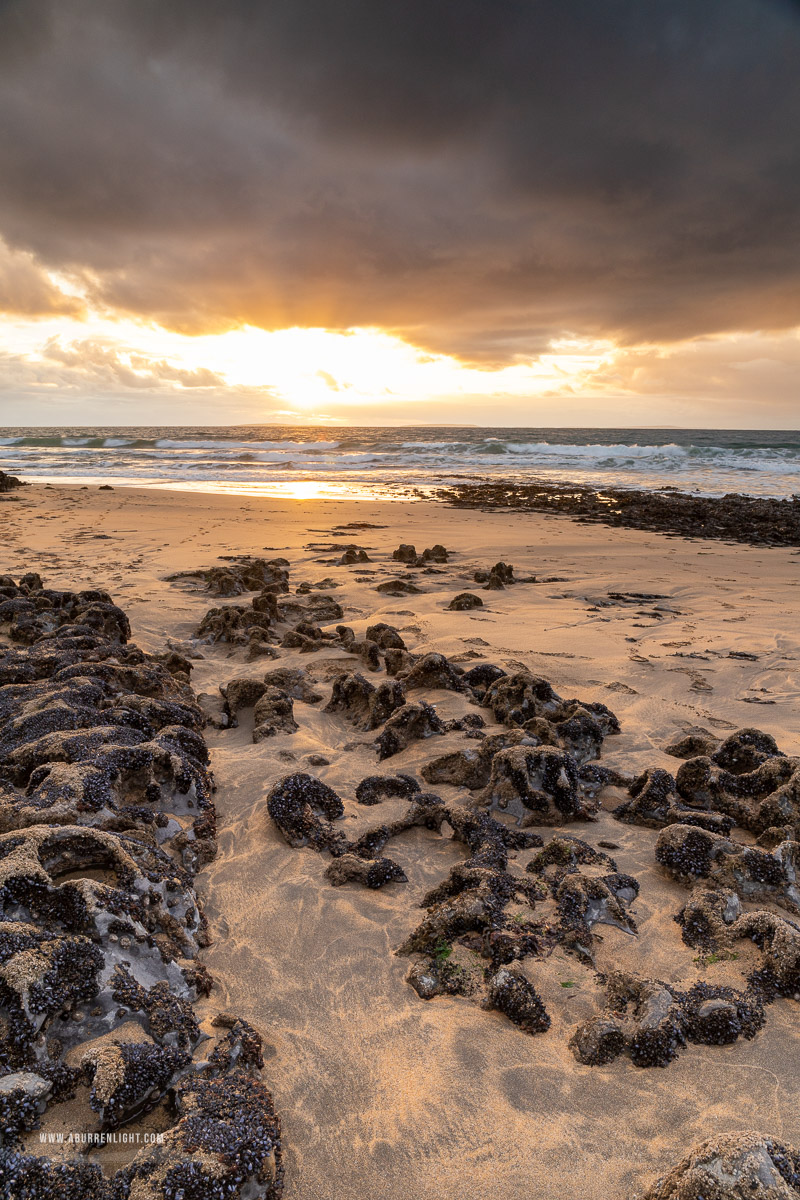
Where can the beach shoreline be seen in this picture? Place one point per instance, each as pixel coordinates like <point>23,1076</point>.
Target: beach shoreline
<point>380,1092</point>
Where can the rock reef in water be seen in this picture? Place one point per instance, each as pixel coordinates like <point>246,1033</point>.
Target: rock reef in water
<point>106,815</point>
<point>756,520</point>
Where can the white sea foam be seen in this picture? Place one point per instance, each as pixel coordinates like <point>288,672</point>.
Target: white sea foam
<point>712,462</point>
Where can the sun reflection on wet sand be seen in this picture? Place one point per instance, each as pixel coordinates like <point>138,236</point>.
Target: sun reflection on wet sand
<point>285,489</point>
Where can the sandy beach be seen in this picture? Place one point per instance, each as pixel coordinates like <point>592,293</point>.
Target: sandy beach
<point>380,1092</point>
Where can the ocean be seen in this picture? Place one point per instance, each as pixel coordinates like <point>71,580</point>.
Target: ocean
<point>369,462</point>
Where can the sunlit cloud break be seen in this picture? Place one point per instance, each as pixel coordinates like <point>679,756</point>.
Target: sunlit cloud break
<point>298,370</point>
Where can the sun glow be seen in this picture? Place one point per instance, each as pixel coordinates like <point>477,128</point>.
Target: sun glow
<point>309,372</point>
<point>309,367</point>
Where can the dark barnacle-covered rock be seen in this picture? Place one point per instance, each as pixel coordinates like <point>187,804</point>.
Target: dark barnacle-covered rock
<point>693,743</point>
<point>713,919</point>
<point>353,555</point>
<point>235,624</point>
<point>23,1099</point>
<point>523,698</point>
<point>511,993</point>
<point>690,854</point>
<point>598,1041</point>
<point>472,724</point>
<point>719,1016</point>
<point>435,554</point>
<point>434,671</point>
<point>411,723</point>
<point>537,785</point>
<point>397,587</point>
<point>449,973</point>
<point>246,574</point>
<point>778,939</point>
<point>294,682</point>
<point>651,1021</point>
<point>468,924</point>
<point>385,636</point>
<point>643,1018</point>
<point>242,692</point>
<point>38,1178</point>
<point>514,699</point>
<point>9,482</point>
<point>375,788</point>
<point>303,807</point>
<point>105,815</point>
<point>226,1143</point>
<point>372,873</point>
<point>576,730</point>
<point>319,610</point>
<point>169,1018</point>
<point>142,886</point>
<point>240,1046</point>
<point>745,751</point>
<point>482,834</point>
<point>501,575</point>
<point>29,611</point>
<point>655,803</point>
<point>747,778</point>
<point>479,678</point>
<point>365,705</point>
<point>305,637</point>
<point>398,662</point>
<point>471,768</point>
<point>733,1166</point>
<point>464,601</point>
<point>367,650</point>
<point>426,811</point>
<point>130,1077</point>
<point>407,554</point>
<point>707,916</point>
<point>587,888</point>
<point>472,899</point>
<point>273,714</point>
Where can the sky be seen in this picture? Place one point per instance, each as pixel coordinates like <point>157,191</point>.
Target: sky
<point>520,212</point>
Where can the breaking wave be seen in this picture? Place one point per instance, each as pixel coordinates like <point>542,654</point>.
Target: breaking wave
<point>713,462</point>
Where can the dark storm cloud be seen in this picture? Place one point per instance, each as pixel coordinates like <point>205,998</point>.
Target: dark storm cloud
<point>480,175</point>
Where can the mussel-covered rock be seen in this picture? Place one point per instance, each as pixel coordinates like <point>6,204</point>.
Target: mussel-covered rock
<point>733,1166</point>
